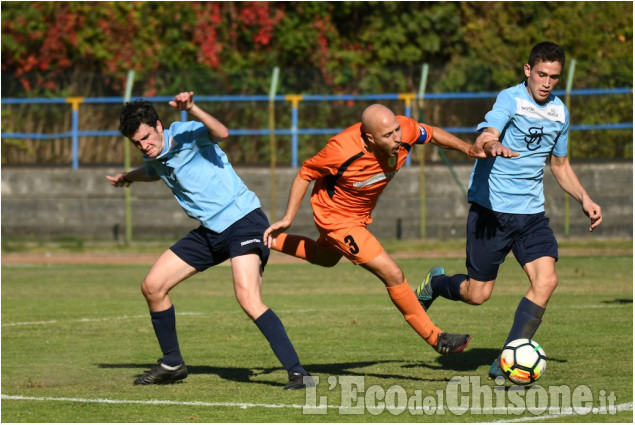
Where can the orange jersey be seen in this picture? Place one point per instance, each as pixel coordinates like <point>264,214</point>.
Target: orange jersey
<point>349,180</point>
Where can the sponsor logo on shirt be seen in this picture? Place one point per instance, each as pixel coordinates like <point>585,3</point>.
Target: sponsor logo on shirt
<point>375,179</point>
<point>551,112</point>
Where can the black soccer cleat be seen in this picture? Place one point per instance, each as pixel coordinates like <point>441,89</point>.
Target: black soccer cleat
<point>297,381</point>
<point>160,375</point>
<point>451,343</point>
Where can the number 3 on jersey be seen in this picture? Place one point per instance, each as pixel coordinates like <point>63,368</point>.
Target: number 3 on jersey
<point>352,245</point>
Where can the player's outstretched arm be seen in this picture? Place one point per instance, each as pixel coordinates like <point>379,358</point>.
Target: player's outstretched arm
<point>137,175</point>
<point>296,194</point>
<point>446,140</point>
<point>570,183</point>
<point>486,147</point>
<point>488,142</point>
<point>185,102</point>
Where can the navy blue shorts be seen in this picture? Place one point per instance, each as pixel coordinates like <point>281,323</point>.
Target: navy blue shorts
<point>491,235</point>
<point>203,248</point>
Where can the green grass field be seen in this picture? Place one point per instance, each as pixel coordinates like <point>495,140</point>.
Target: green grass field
<point>74,337</point>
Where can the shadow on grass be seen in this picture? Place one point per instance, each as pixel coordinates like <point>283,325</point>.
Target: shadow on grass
<point>619,301</point>
<point>237,374</point>
<point>463,362</point>
<point>473,359</point>
<point>468,361</point>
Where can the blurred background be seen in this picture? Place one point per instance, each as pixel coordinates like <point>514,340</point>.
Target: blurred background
<point>284,76</point>
<point>86,49</point>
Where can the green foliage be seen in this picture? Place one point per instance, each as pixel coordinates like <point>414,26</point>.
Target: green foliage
<point>59,49</point>
<point>483,44</point>
<point>499,35</point>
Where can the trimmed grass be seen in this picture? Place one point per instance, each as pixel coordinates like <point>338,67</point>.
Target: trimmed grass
<point>75,336</point>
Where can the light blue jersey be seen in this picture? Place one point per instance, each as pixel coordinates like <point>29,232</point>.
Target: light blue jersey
<point>201,178</point>
<point>515,185</point>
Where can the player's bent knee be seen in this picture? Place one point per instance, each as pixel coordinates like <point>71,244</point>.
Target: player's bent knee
<point>331,262</point>
<point>479,299</point>
<point>476,292</point>
<point>549,285</point>
<point>326,260</point>
<point>152,290</point>
<point>253,306</point>
<point>554,282</point>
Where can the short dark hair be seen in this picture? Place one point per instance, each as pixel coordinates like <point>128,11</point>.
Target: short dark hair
<point>133,114</point>
<point>546,52</point>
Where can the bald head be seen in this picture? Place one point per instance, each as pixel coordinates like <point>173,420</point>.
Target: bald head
<point>381,130</point>
<point>376,116</point>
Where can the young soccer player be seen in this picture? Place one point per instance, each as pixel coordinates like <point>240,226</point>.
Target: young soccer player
<point>507,212</point>
<point>350,173</point>
<point>188,160</point>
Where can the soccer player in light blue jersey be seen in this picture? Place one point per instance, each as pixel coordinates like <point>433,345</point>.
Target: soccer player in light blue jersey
<point>188,160</point>
<point>507,211</point>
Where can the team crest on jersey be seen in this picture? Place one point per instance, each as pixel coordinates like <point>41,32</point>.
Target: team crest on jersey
<point>533,138</point>
<point>392,161</point>
<point>170,175</point>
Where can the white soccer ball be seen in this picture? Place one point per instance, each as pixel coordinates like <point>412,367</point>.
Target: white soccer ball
<point>523,361</point>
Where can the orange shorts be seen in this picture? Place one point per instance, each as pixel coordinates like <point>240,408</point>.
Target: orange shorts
<point>356,243</point>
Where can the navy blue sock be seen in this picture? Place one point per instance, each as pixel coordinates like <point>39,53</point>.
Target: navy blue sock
<point>526,320</point>
<point>272,328</point>
<point>164,323</point>
<point>448,287</point>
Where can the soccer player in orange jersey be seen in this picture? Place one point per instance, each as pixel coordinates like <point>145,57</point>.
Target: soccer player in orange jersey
<point>350,173</point>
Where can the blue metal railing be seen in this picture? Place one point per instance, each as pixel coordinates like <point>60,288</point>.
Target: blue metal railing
<point>75,133</point>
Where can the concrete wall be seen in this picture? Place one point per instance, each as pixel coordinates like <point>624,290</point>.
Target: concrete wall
<point>61,202</point>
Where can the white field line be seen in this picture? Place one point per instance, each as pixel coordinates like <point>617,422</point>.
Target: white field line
<point>624,407</point>
<point>145,316</point>
<point>159,402</point>
<point>86,320</point>
<point>601,306</point>
<point>300,311</point>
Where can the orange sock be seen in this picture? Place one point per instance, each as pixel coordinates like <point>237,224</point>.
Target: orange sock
<point>291,245</point>
<point>406,301</point>
<point>307,249</point>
